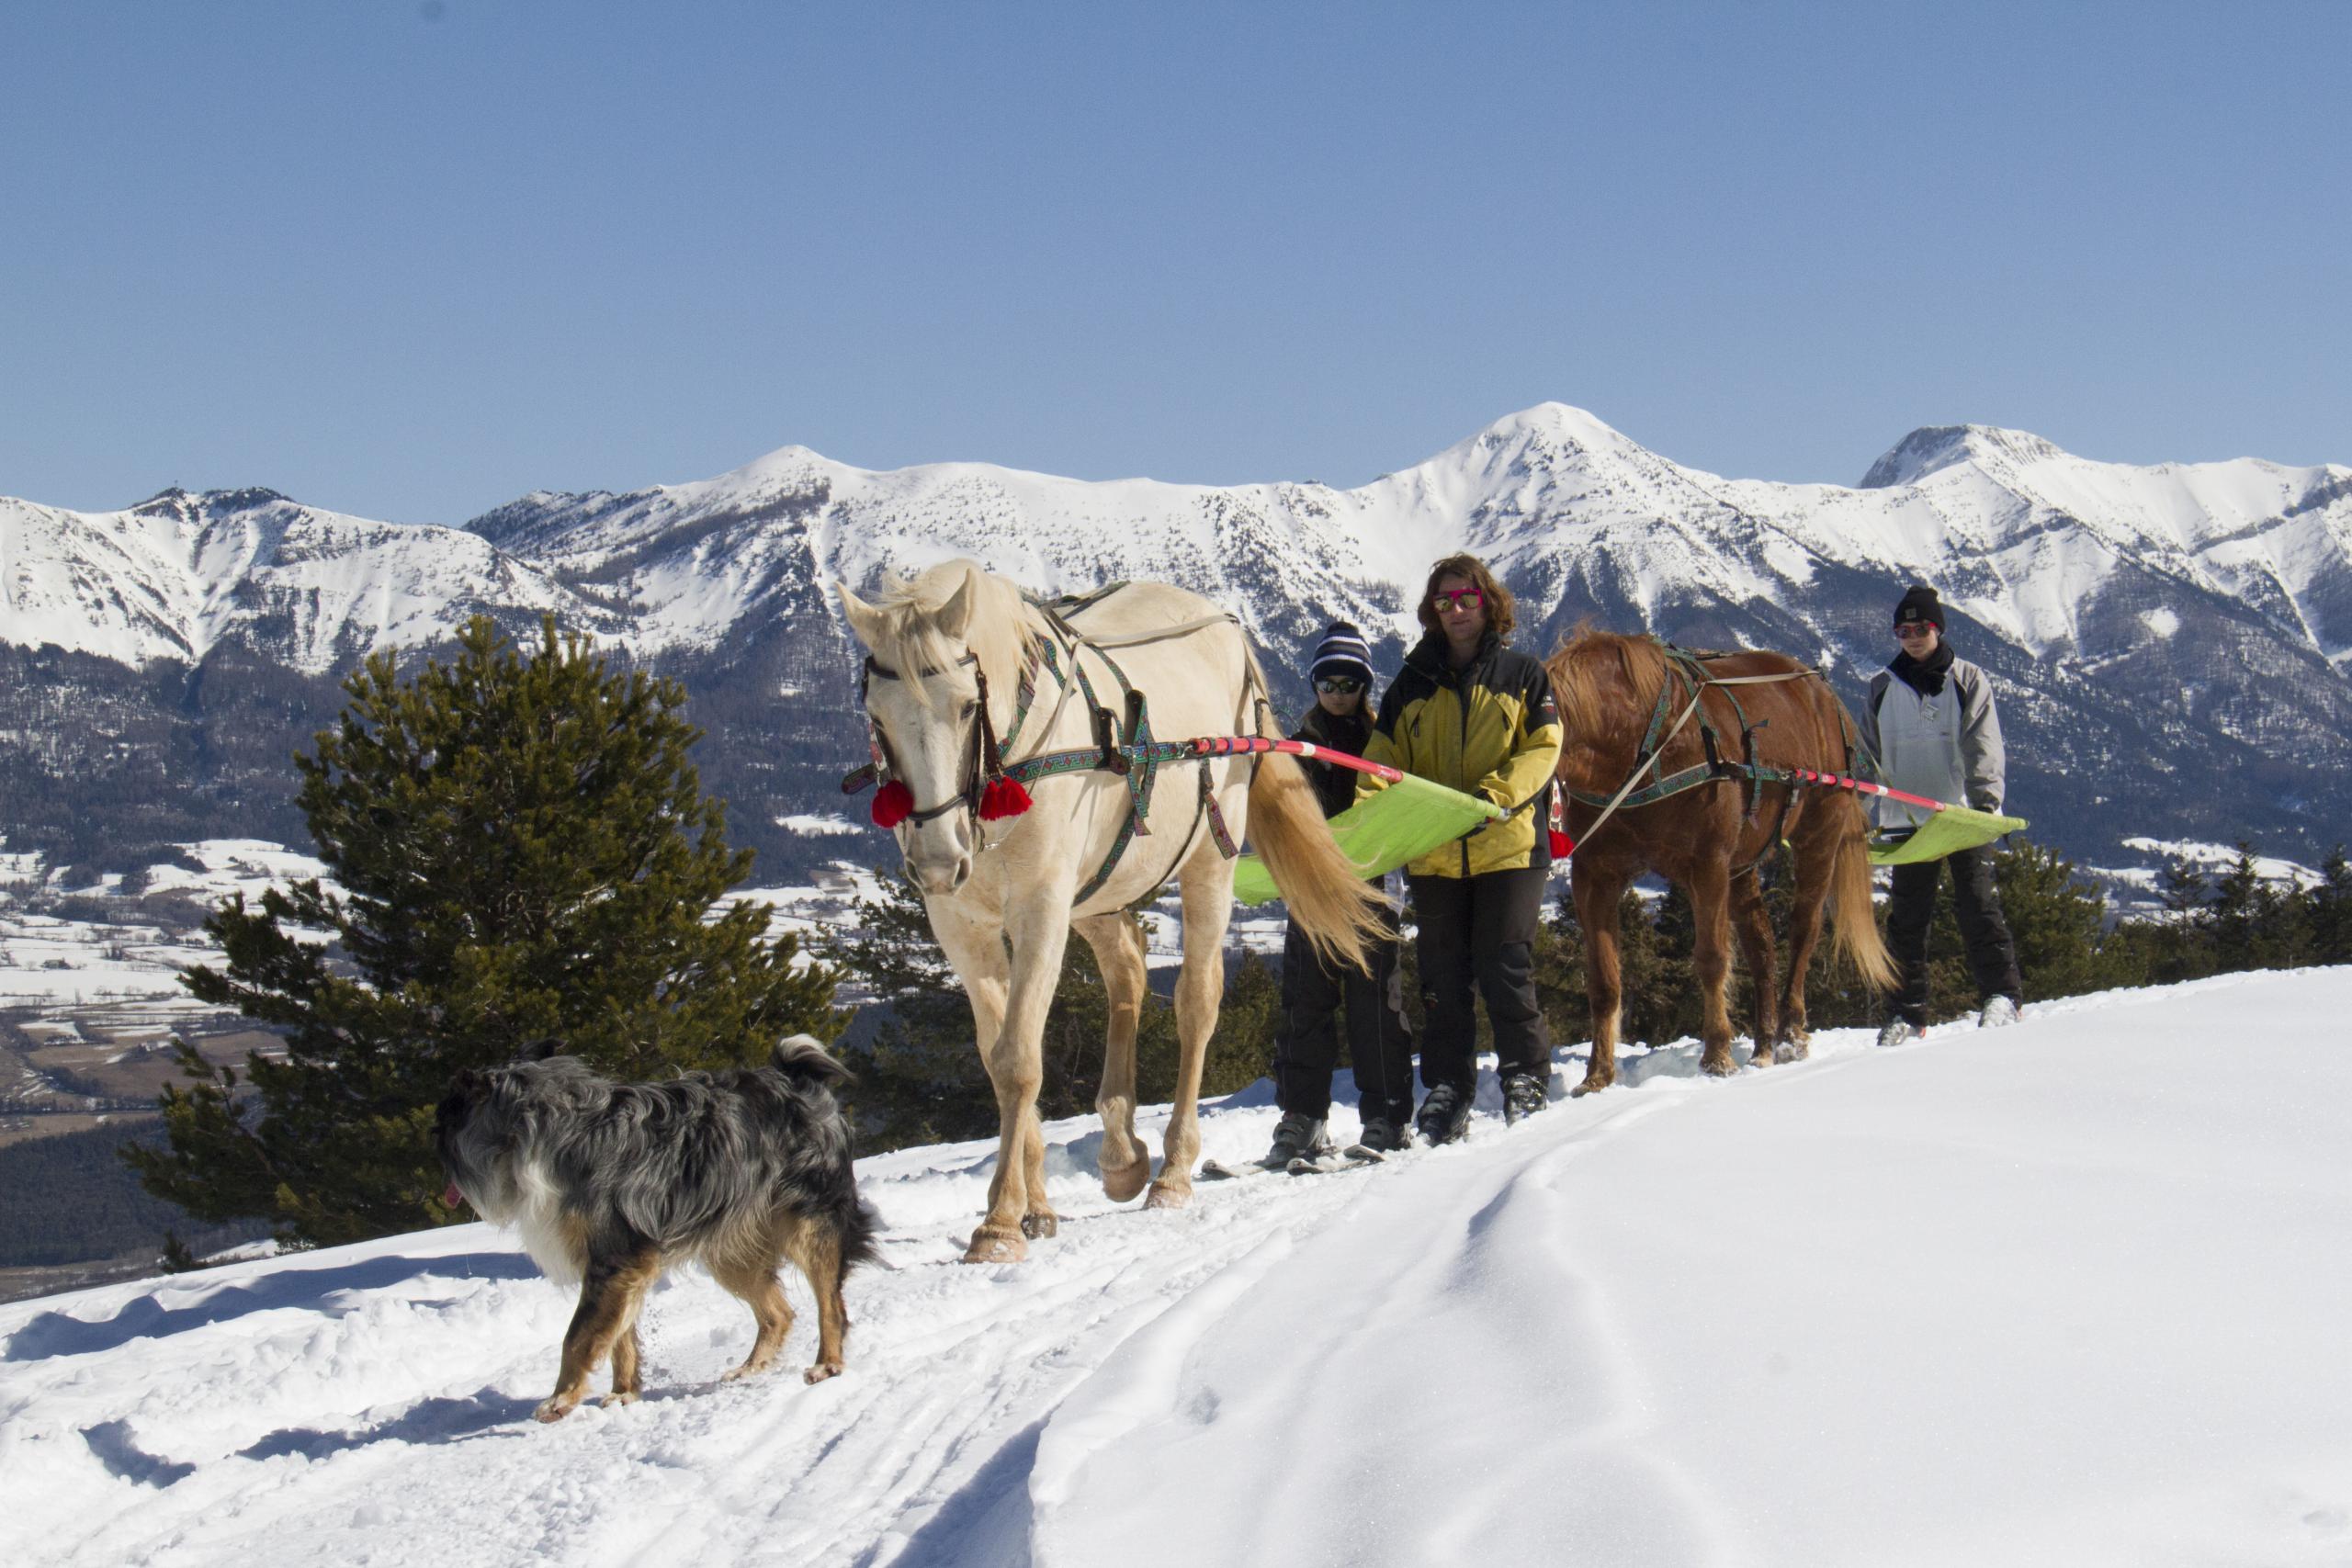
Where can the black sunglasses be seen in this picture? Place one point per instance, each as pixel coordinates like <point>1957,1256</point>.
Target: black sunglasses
<point>1339,685</point>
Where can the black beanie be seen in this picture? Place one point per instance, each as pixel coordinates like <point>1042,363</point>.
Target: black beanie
<point>1342,651</point>
<point>1919,603</point>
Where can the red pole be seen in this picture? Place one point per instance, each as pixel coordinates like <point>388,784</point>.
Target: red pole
<point>1865,787</point>
<point>1231,745</point>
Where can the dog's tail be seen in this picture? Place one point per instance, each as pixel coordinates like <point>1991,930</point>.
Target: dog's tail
<point>803,1061</point>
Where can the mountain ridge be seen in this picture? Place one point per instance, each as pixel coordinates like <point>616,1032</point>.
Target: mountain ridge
<point>2181,622</point>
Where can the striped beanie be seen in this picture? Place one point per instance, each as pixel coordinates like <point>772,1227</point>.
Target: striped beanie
<point>1342,651</point>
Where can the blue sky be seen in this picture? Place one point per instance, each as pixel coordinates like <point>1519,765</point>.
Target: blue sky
<point>410,260</point>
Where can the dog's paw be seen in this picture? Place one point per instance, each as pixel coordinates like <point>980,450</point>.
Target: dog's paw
<point>1045,1222</point>
<point>747,1369</point>
<point>822,1370</point>
<point>553,1409</point>
<point>619,1397</point>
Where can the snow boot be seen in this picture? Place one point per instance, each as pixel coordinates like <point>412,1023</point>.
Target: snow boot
<point>1444,1115</point>
<point>1386,1137</point>
<point>1524,1094</point>
<point>1900,1032</point>
<point>1297,1136</point>
<point>1999,1011</point>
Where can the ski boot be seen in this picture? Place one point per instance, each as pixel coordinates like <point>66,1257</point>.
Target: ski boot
<point>1444,1115</point>
<point>1999,1012</point>
<point>1524,1094</point>
<point>1297,1136</point>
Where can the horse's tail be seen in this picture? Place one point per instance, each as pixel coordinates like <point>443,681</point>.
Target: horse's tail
<point>1329,901</point>
<point>1853,922</point>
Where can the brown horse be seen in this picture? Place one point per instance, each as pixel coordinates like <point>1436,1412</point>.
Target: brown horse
<point>1709,837</point>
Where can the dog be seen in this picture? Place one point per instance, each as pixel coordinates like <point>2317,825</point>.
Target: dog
<point>613,1183</point>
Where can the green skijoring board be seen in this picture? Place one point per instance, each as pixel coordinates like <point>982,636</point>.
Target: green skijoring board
<point>1954,827</point>
<point>1409,818</point>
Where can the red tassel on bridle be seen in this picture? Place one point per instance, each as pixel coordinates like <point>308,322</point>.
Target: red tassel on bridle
<point>1002,797</point>
<point>893,804</point>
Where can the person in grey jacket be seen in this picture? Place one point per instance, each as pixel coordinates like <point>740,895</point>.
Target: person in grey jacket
<point>1932,723</point>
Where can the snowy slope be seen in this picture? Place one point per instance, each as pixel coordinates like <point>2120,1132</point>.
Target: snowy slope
<point>2022,536</point>
<point>2070,1293</point>
<point>2172,645</point>
<point>176,575</point>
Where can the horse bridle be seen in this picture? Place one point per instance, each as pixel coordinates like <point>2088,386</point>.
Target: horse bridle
<point>980,755</point>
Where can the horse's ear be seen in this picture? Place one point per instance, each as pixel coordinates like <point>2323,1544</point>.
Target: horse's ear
<point>956,613</point>
<point>864,620</point>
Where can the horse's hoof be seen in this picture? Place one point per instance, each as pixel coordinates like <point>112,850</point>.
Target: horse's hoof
<point>1720,1066</point>
<point>1043,1224</point>
<point>1791,1051</point>
<point>1122,1182</point>
<point>996,1246</point>
<point>821,1370</point>
<point>1166,1197</point>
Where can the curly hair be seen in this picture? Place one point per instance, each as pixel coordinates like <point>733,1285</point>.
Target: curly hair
<point>1501,614</point>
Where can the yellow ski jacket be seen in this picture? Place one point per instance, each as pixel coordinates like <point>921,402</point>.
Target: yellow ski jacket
<point>1490,730</point>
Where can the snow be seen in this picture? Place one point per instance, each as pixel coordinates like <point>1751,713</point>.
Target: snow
<point>2068,1292</point>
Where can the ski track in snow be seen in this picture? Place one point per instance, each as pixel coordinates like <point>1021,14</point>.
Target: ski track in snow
<point>1456,1354</point>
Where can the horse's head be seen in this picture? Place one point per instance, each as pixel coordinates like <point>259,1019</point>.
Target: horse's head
<point>922,695</point>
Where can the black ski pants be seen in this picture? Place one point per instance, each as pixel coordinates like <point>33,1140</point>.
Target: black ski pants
<point>1380,1041</point>
<point>1992,955</point>
<point>1480,931</point>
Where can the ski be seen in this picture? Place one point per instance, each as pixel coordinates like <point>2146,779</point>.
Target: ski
<point>1353,1157</point>
<point>1349,1159</point>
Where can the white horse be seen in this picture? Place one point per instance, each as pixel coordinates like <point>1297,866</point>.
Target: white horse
<point>1006,877</point>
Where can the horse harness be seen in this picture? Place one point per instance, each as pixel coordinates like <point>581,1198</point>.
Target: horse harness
<point>993,789</point>
<point>1687,672</point>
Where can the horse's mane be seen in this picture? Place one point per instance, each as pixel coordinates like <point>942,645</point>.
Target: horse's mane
<point>1581,670</point>
<point>1002,629</point>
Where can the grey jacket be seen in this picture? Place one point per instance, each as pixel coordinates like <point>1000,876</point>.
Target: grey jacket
<point>1947,747</point>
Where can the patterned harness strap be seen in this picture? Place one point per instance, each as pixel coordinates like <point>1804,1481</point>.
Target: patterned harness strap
<point>1687,672</point>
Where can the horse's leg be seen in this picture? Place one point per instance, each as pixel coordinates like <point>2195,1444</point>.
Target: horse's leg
<point>1755,929</point>
<point>1117,941</point>
<point>1815,857</point>
<point>1208,882</point>
<point>1597,895</point>
<point>1709,890</point>
<point>1039,930</point>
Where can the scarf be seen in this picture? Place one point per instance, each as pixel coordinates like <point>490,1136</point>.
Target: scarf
<point>1924,676</point>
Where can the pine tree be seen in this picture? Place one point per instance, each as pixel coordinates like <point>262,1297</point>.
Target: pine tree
<point>520,849</point>
<point>2328,911</point>
<point>2180,944</point>
<point>2058,924</point>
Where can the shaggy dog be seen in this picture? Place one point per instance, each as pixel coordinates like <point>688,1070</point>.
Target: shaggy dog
<point>612,1183</point>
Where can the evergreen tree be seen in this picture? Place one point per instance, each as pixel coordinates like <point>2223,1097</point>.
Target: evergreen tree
<point>521,850</point>
<point>2179,945</point>
<point>2328,911</point>
<point>2058,924</point>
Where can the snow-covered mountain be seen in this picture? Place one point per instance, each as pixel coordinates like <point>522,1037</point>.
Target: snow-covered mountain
<point>2171,643</point>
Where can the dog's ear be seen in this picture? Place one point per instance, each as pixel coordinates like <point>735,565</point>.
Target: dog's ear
<point>553,1045</point>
